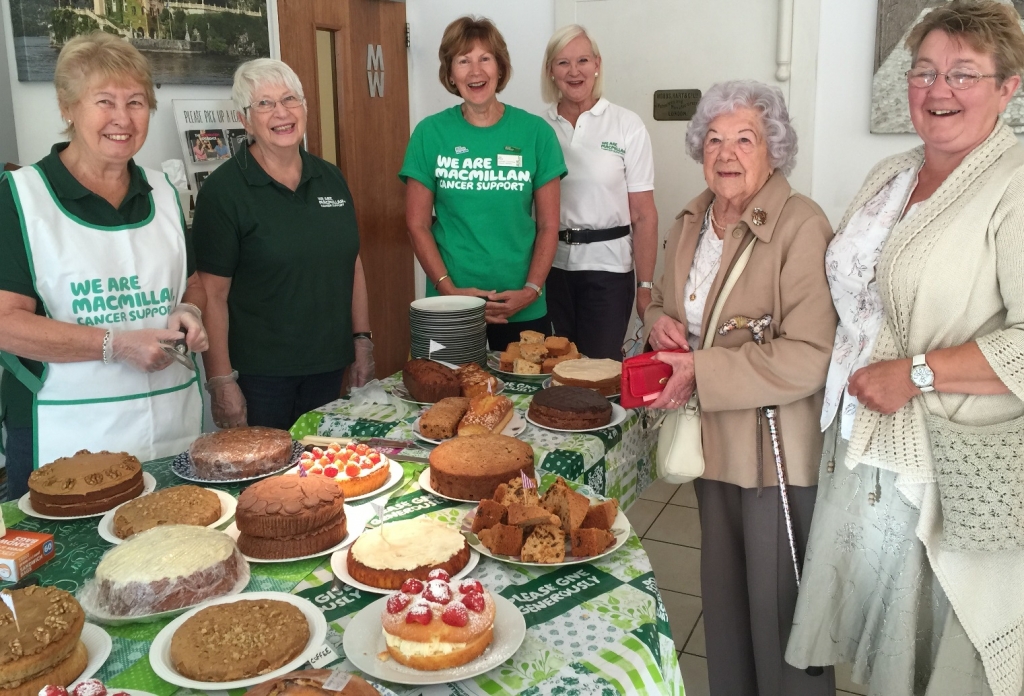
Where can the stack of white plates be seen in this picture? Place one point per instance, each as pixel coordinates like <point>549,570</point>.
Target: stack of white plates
<point>454,321</point>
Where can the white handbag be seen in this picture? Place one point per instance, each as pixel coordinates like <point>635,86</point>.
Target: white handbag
<point>680,449</point>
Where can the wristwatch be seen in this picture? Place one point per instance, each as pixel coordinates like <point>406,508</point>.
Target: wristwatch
<point>645,284</point>
<point>921,375</point>
<point>363,334</point>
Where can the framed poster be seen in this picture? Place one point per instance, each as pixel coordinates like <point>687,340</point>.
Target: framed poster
<point>890,111</point>
<point>192,42</point>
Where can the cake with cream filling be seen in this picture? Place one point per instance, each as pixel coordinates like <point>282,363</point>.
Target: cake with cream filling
<point>164,568</point>
<point>85,484</point>
<point>602,375</point>
<point>438,623</point>
<point>386,556</point>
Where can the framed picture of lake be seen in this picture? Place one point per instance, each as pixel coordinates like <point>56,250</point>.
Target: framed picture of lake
<point>890,111</point>
<point>193,42</point>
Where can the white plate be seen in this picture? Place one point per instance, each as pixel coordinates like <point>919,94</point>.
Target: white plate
<point>548,383</point>
<point>98,644</point>
<point>112,620</point>
<point>424,482</point>
<point>620,528</point>
<point>515,428</point>
<point>400,391</point>
<point>364,640</point>
<point>394,476</point>
<point>355,523</point>
<point>447,303</point>
<point>339,564</point>
<point>160,650</point>
<point>618,415</point>
<point>227,511</point>
<point>25,505</point>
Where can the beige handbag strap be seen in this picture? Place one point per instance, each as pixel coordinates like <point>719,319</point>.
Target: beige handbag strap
<point>734,276</point>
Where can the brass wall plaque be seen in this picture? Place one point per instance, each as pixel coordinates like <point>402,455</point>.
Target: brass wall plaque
<point>675,104</point>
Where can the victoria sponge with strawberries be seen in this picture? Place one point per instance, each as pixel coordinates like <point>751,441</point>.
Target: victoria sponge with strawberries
<point>438,623</point>
<point>357,468</point>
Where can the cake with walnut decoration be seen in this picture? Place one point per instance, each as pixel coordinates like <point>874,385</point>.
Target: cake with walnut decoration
<point>43,646</point>
<point>85,484</point>
<point>439,623</point>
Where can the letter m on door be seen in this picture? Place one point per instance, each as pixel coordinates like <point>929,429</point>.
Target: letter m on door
<point>375,69</point>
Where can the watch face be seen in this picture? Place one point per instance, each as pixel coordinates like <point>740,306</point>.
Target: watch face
<point>921,376</point>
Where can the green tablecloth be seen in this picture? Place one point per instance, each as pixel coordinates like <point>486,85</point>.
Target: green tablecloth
<point>616,462</point>
<point>597,629</point>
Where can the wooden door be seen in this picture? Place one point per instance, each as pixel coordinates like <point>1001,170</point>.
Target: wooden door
<point>352,53</point>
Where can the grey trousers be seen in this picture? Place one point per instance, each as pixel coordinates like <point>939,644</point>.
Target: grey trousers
<point>749,589</point>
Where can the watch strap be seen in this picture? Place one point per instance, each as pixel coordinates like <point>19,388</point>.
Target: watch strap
<point>647,284</point>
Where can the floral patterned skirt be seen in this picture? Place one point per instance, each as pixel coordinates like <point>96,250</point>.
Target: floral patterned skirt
<point>868,595</point>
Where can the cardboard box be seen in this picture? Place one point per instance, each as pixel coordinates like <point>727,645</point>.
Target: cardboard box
<point>22,552</point>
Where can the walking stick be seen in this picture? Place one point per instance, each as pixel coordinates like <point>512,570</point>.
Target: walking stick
<point>757,328</point>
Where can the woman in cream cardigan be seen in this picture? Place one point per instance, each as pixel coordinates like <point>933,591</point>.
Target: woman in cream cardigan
<point>914,568</point>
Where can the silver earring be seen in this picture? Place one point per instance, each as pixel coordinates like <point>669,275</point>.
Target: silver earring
<point>596,73</point>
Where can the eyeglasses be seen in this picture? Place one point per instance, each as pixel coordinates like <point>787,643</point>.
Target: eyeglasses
<point>265,106</point>
<point>957,79</point>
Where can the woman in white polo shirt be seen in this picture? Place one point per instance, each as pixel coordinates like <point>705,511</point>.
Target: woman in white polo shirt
<point>608,223</point>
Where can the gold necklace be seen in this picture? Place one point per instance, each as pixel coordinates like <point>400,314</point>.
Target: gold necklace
<point>699,284</point>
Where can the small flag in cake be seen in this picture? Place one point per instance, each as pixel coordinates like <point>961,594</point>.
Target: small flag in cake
<point>528,482</point>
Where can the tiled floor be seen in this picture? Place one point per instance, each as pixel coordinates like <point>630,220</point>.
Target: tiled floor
<point>666,519</point>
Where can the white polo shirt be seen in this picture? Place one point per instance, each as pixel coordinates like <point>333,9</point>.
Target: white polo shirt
<point>608,155</point>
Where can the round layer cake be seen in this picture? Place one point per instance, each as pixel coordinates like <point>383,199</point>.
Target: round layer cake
<point>356,468</point>
<point>43,646</point>
<point>570,408</point>
<point>602,375</point>
<point>470,467</point>
<point>438,624</point>
<point>310,682</point>
<point>386,556</point>
<point>177,505</point>
<point>164,568</point>
<point>85,484</point>
<point>290,517</point>
<point>240,453</point>
<point>238,640</point>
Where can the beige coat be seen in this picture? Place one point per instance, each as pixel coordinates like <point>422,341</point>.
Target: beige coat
<point>785,277</point>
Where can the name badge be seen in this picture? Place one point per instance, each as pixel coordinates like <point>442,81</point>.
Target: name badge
<point>510,160</point>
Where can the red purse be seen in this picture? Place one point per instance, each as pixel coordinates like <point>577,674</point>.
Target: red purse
<point>644,378</point>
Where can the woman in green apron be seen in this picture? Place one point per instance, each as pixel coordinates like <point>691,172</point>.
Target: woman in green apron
<point>96,280</point>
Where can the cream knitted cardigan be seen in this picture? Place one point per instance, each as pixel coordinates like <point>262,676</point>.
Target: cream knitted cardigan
<point>953,273</point>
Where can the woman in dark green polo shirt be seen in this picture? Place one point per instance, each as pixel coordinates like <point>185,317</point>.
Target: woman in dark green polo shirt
<point>277,249</point>
<point>484,166</point>
<point>95,278</point>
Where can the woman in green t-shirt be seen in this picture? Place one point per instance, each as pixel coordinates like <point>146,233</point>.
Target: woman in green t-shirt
<point>483,167</point>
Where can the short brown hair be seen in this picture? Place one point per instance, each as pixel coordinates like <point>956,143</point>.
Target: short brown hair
<point>987,27</point>
<point>99,54</point>
<point>458,40</point>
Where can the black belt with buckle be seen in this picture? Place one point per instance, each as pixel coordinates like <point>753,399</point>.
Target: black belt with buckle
<point>575,235</point>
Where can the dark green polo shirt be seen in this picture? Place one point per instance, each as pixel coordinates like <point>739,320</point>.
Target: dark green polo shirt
<point>291,259</point>
<point>15,275</point>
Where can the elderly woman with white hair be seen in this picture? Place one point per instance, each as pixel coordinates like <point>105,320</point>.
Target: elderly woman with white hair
<point>608,224</point>
<point>751,228</point>
<point>277,249</point>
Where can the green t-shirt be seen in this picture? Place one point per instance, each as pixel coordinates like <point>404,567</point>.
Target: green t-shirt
<point>483,181</point>
<point>291,258</point>
<point>15,275</point>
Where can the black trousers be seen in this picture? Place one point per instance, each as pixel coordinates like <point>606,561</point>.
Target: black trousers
<point>592,309</point>
<point>277,402</point>
<point>500,335</point>
<point>749,590</point>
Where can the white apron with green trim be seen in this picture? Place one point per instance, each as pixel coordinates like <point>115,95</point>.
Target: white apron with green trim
<point>122,278</point>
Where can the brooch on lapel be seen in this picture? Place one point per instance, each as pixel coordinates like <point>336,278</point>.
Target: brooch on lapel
<point>758,217</point>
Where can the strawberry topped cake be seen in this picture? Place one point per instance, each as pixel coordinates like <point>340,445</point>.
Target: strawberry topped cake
<point>357,468</point>
<point>439,623</point>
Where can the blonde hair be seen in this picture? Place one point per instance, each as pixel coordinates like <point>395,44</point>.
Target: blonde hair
<point>987,26</point>
<point>99,55</point>
<point>558,41</point>
<point>458,40</point>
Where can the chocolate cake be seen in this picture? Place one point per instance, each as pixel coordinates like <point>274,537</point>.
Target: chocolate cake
<point>470,467</point>
<point>429,381</point>
<point>240,453</point>
<point>570,408</point>
<point>290,516</point>
<point>85,484</point>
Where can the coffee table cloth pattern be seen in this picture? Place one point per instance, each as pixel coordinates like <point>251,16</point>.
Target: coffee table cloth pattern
<point>595,629</point>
